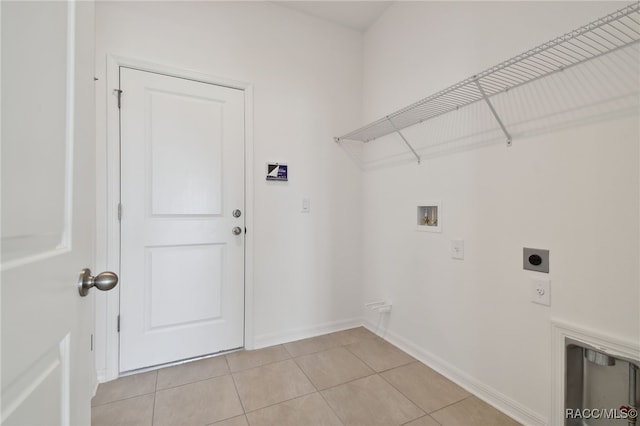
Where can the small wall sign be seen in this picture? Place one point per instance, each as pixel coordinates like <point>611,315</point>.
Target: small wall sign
<point>277,172</point>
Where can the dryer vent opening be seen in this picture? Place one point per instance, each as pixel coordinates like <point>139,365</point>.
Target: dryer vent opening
<point>599,358</point>
<point>600,389</point>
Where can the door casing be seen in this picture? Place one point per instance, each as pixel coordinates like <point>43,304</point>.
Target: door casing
<point>109,304</point>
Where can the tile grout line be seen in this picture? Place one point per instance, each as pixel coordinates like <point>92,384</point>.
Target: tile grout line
<point>295,397</point>
<point>261,365</point>
<point>402,393</point>
<point>130,396</point>
<point>356,355</point>
<point>281,402</point>
<point>153,410</point>
<point>415,403</point>
<point>291,357</point>
<point>379,373</point>
<point>329,405</point>
<point>155,394</point>
<point>305,375</point>
<point>284,359</point>
<point>375,373</point>
<point>337,345</point>
<point>228,373</point>
<point>421,417</point>
<point>312,384</point>
<point>331,408</point>
<point>365,363</point>
<point>385,370</point>
<point>123,399</point>
<point>284,345</point>
<point>235,386</point>
<point>319,392</point>
<point>453,403</point>
<point>314,351</point>
<point>352,380</point>
<point>276,403</point>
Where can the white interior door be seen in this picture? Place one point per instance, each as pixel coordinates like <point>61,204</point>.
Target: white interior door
<point>182,177</point>
<point>48,214</point>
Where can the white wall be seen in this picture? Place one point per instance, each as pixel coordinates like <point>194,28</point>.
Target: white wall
<point>306,77</point>
<point>574,190</point>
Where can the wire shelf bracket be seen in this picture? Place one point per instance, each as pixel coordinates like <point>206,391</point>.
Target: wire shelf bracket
<point>404,139</point>
<point>494,112</point>
<point>598,38</point>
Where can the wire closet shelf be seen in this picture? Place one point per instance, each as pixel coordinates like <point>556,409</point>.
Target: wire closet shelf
<point>607,34</point>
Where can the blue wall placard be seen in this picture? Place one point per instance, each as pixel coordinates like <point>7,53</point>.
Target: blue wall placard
<point>277,172</point>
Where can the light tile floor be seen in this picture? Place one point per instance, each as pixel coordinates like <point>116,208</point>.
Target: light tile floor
<point>346,378</point>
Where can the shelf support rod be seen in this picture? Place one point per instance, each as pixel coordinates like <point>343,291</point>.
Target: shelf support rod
<point>493,111</point>
<point>404,139</point>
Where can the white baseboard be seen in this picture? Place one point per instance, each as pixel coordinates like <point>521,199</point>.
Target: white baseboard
<point>501,402</point>
<point>102,376</point>
<point>271,339</point>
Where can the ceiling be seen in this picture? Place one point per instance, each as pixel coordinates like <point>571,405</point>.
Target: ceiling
<point>357,15</point>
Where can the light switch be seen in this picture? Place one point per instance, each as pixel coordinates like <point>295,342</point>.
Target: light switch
<point>457,249</point>
<point>306,205</point>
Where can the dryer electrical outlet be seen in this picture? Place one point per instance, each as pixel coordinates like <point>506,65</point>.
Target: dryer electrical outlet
<point>535,259</point>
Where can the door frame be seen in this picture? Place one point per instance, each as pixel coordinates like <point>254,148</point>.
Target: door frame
<point>109,305</point>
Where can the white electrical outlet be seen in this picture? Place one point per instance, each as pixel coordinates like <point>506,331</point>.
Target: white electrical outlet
<point>541,291</point>
<point>457,249</point>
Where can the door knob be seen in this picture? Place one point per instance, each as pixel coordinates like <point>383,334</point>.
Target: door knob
<point>236,230</point>
<point>103,281</point>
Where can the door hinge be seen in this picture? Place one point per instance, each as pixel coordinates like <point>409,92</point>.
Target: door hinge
<point>91,342</point>
<point>118,323</point>
<point>119,211</point>
<point>119,94</point>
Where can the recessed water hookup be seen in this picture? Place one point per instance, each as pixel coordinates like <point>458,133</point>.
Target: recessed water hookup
<point>429,216</point>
